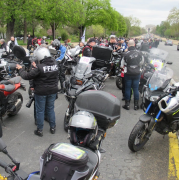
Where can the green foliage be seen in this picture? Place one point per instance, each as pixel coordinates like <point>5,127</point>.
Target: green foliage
<point>64,36</point>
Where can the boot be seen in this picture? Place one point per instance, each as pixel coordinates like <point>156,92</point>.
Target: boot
<point>126,106</point>
<point>136,104</point>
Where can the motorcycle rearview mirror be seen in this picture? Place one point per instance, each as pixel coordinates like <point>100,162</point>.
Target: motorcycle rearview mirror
<point>169,62</point>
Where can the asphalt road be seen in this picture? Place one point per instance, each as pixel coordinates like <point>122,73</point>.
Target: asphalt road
<point>118,163</point>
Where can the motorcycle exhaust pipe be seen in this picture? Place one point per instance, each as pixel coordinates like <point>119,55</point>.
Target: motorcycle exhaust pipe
<point>16,106</point>
<point>107,75</point>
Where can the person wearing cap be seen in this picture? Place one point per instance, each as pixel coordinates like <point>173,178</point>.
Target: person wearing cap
<point>123,45</point>
<point>144,46</point>
<point>132,62</point>
<point>87,50</point>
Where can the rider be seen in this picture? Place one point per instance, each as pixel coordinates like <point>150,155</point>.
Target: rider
<point>57,44</point>
<point>87,50</point>
<point>112,42</point>
<point>144,46</point>
<point>132,62</point>
<point>45,81</point>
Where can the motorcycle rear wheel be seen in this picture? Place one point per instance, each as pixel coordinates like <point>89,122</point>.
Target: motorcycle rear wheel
<point>138,137</point>
<point>14,98</point>
<point>119,82</point>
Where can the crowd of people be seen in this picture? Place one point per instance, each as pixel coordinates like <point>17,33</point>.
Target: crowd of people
<point>46,71</point>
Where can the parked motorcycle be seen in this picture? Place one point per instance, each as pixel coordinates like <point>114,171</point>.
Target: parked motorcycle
<point>161,107</point>
<point>82,79</point>
<point>10,100</point>
<point>82,159</point>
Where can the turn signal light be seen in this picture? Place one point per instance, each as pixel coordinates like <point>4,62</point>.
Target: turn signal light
<point>79,82</point>
<point>105,134</point>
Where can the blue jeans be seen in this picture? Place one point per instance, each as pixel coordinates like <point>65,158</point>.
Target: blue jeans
<point>42,104</point>
<point>131,82</point>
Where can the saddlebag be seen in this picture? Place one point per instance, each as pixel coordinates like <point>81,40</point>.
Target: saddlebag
<point>63,161</point>
<point>104,106</point>
<point>103,56</point>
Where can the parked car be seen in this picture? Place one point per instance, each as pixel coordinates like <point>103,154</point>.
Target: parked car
<point>168,42</point>
<point>178,47</point>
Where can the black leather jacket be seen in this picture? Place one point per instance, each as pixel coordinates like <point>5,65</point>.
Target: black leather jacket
<point>45,77</point>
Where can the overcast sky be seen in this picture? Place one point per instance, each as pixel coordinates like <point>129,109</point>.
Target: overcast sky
<point>148,11</point>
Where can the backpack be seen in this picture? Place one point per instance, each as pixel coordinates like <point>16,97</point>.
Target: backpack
<point>132,62</point>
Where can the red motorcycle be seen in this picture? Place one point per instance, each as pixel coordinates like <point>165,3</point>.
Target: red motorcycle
<point>10,100</point>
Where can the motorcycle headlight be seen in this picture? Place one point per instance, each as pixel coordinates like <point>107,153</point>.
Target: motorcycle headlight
<point>154,98</point>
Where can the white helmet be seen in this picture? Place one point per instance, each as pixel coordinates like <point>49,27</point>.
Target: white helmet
<point>41,53</point>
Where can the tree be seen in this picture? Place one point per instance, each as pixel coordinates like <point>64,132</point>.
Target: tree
<point>173,20</point>
<point>133,25</point>
<point>98,12</point>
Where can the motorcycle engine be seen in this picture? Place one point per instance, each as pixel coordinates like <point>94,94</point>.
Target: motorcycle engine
<point>174,126</point>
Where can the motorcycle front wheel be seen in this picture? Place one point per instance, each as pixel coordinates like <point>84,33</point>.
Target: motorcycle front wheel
<point>138,137</point>
<point>119,82</point>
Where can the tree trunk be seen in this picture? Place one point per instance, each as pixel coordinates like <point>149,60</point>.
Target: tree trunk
<point>25,31</point>
<point>53,26</point>
<point>81,30</point>
<point>33,32</point>
<point>10,29</point>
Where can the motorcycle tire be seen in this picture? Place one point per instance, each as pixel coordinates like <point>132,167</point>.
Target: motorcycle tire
<point>119,82</point>
<point>138,133</point>
<point>14,98</point>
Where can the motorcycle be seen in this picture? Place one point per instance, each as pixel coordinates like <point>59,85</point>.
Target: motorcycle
<point>90,170</point>
<point>10,100</point>
<point>161,107</point>
<point>82,79</point>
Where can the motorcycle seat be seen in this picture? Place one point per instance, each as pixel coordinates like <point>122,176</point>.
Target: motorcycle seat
<point>92,162</point>
<point>8,88</point>
<point>15,80</point>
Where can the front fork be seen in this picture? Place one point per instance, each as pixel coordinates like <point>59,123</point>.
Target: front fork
<point>152,122</point>
<point>70,107</point>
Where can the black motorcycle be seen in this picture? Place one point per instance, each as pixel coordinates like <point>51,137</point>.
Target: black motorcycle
<point>82,79</point>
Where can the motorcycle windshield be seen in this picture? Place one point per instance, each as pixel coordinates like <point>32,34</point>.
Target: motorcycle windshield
<point>83,67</point>
<point>74,51</point>
<point>160,79</point>
<point>157,57</point>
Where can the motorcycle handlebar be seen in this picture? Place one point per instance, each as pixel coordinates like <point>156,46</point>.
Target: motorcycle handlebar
<point>168,93</point>
<point>3,164</point>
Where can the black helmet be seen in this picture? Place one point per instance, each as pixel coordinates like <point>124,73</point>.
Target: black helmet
<point>59,38</point>
<point>83,128</point>
<point>56,43</point>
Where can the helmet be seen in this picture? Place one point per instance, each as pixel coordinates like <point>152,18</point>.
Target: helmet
<point>59,38</point>
<point>56,43</point>
<point>41,53</point>
<point>83,128</point>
